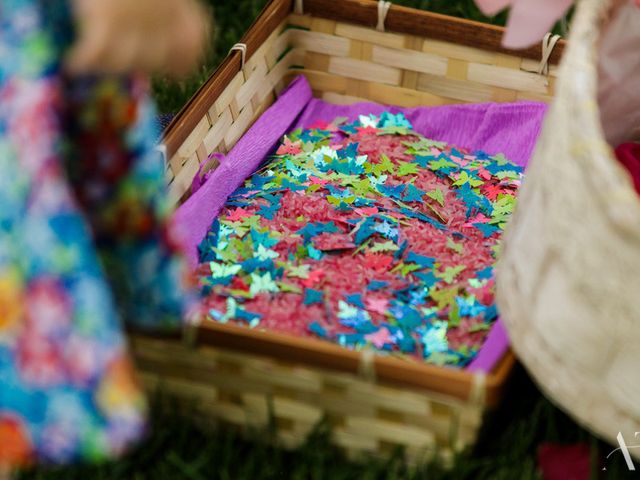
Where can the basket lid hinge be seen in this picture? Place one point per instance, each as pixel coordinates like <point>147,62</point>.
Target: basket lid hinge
<point>242,48</point>
<point>383,10</point>
<point>549,42</point>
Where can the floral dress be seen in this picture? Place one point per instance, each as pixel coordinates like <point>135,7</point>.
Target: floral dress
<point>84,244</point>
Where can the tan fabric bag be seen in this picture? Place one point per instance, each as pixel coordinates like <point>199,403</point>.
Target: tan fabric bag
<point>569,276</point>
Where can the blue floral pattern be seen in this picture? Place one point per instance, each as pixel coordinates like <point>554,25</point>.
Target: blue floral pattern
<point>84,242</point>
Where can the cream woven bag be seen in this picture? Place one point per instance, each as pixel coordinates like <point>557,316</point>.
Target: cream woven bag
<point>569,277</point>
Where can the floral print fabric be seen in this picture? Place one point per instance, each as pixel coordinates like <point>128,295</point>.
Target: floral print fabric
<point>84,242</point>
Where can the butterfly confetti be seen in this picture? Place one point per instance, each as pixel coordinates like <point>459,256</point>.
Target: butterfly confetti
<point>366,234</point>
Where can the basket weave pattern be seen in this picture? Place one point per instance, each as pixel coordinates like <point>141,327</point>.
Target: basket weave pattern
<point>345,60</point>
<point>249,391</point>
<point>347,63</point>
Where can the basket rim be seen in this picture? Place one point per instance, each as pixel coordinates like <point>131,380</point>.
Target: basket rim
<point>314,353</point>
<point>458,383</point>
<point>317,353</point>
<point>400,19</point>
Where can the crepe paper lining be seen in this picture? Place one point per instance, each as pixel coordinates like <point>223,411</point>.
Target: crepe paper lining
<point>511,128</point>
<point>343,205</point>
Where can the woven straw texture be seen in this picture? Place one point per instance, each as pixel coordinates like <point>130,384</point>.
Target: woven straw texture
<point>250,391</point>
<point>347,63</point>
<point>571,305</point>
<point>344,63</point>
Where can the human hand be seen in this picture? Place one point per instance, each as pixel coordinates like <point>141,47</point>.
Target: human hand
<point>120,36</point>
<point>530,20</point>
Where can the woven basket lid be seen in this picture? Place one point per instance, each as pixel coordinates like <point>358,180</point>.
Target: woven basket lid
<point>569,276</point>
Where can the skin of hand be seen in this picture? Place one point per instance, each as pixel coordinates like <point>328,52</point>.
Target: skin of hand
<point>149,36</point>
<point>529,20</point>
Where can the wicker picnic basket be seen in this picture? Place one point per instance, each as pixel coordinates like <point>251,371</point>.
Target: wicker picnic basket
<point>349,50</point>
